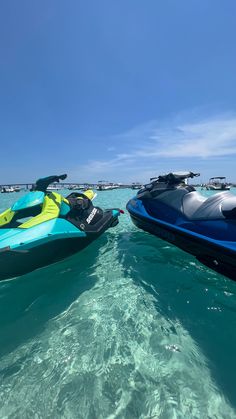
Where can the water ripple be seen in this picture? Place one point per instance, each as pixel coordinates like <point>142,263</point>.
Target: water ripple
<point>130,328</point>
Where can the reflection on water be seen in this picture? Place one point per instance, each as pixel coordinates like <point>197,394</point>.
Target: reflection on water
<point>129,328</point>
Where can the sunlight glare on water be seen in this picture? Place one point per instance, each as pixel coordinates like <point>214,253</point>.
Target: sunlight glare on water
<point>130,327</point>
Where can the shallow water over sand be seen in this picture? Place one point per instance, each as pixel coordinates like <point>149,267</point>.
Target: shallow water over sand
<point>130,327</point>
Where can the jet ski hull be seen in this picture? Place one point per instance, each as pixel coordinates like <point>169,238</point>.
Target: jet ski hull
<point>18,262</point>
<point>50,242</point>
<point>219,255</point>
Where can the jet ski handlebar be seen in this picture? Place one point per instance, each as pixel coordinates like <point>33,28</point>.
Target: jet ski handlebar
<point>174,177</point>
<point>43,183</point>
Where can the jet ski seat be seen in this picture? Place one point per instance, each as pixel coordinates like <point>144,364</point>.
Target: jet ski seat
<point>219,206</point>
<point>28,205</point>
<point>50,209</point>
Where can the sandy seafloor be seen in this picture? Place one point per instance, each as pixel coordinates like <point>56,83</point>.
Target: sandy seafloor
<point>131,327</point>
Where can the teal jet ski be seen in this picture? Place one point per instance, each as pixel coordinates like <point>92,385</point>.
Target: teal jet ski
<point>44,227</point>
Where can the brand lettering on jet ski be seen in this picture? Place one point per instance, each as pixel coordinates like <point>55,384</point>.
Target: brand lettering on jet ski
<point>90,217</point>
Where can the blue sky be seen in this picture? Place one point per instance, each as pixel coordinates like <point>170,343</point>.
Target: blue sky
<point>117,89</point>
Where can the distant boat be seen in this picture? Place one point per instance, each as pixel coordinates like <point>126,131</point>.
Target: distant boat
<point>17,188</point>
<point>136,185</point>
<point>104,188</point>
<point>217,183</point>
<point>104,185</point>
<point>7,189</point>
<point>54,187</point>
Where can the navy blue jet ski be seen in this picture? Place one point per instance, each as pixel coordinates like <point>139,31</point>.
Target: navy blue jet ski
<point>203,226</point>
<point>43,227</point>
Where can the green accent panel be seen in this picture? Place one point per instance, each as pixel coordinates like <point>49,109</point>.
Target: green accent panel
<point>6,217</point>
<point>50,210</point>
<point>54,229</point>
<point>30,200</point>
<point>89,194</point>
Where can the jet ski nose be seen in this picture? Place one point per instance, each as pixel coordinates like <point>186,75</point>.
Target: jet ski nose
<point>116,212</point>
<point>114,222</point>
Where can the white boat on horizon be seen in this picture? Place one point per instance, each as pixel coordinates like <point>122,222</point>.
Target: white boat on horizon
<point>55,187</point>
<point>217,183</point>
<point>104,185</point>
<point>136,185</point>
<point>7,189</point>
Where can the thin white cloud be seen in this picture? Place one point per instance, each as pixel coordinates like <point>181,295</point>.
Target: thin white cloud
<point>203,139</point>
<point>156,144</point>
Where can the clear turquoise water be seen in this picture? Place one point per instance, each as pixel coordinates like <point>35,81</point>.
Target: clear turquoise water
<point>131,327</point>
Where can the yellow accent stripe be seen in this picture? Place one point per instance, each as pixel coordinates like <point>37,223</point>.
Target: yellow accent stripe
<point>89,193</point>
<point>6,217</point>
<point>50,210</point>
